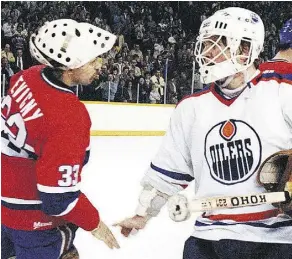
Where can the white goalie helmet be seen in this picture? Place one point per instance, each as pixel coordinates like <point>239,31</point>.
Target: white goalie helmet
<point>70,43</point>
<point>236,25</point>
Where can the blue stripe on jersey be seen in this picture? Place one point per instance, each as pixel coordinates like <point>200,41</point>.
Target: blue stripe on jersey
<point>56,203</point>
<point>173,175</point>
<point>14,206</point>
<point>276,75</point>
<point>286,223</point>
<point>86,158</point>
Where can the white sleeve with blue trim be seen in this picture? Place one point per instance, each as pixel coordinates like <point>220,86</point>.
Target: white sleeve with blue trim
<point>285,93</point>
<point>171,170</point>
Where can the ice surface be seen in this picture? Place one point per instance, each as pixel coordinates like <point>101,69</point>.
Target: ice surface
<point>111,180</point>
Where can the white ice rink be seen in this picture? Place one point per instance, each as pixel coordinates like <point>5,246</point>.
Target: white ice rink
<point>111,180</point>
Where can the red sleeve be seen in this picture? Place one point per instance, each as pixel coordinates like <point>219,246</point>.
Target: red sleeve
<point>59,167</point>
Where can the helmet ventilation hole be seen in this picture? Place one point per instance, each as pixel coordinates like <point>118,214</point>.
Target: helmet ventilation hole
<point>77,32</point>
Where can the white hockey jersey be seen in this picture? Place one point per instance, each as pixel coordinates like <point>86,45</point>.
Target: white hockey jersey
<point>220,144</point>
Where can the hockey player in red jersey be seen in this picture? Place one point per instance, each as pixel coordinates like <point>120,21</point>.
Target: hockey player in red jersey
<point>218,139</point>
<point>45,144</point>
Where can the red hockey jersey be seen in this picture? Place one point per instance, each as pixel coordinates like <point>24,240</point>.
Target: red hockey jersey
<point>45,135</point>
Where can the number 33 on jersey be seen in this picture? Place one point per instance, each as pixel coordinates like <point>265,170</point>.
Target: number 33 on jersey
<point>45,143</point>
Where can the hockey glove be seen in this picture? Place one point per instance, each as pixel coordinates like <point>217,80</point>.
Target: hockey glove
<point>275,174</point>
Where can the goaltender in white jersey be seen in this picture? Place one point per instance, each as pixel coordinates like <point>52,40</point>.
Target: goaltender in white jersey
<point>219,137</point>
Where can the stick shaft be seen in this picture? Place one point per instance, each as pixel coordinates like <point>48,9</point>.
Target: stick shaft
<point>222,202</point>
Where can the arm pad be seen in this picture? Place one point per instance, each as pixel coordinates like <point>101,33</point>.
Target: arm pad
<point>151,201</point>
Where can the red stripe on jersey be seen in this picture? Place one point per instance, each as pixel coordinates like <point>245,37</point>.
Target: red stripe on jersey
<point>28,219</point>
<point>182,185</point>
<point>223,100</point>
<point>279,67</point>
<point>256,79</point>
<point>244,217</point>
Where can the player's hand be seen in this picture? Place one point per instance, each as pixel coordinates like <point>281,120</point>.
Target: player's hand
<point>134,223</point>
<point>178,208</point>
<point>103,233</point>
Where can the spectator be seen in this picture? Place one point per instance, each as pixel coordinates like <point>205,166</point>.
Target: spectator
<point>14,14</point>
<point>119,65</point>
<point>154,96</point>
<point>6,73</point>
<point>136,51</point>
<point>20,27</point>
<point>158,64</point>
<point>18,40</point>
<point>6,68</point>
<point>198,85</point>
<point>137,70</point>
<point>158,81</point>
<point>184,84</point>
<point>103,73</point>
<point>122,94</point>
<point>150,24</point>
<point>21,61</point>
<point>125,75</point>
<point>5,10</point>
<point>144,90</point>
<point>131,93</point>
<point>158,48</point>
<point>109,89</point>
<point>113,52</point>
<point>139,32</point>
<point>8,54</point>
<point>159,30</point>
<point>8,29</point>
<point>172,91</point>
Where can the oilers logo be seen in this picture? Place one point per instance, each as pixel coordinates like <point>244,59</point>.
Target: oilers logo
<point>233,151</point>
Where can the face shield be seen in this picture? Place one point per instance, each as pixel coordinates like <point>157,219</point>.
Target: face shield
<point>228,43</point>
<point>220,57</point>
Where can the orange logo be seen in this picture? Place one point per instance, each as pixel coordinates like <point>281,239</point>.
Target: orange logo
<point>228,130</point>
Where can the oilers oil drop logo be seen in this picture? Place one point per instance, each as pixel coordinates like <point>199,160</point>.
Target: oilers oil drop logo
<point>233,151</point>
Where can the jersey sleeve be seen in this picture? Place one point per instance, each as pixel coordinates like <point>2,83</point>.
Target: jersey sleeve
<point>58,171</point>
<point>285,93</point>
<point>171,170</point>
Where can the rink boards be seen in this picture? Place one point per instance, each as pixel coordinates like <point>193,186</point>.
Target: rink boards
<point>126,119</point>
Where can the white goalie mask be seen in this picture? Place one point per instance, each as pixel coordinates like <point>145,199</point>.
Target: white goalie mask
<point>235,26</point>
<point>70,43</point>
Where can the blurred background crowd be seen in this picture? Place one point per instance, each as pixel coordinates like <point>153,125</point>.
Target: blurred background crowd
<point>153,58</point>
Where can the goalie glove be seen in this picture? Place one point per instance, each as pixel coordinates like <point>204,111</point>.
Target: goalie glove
<point>275,174</point>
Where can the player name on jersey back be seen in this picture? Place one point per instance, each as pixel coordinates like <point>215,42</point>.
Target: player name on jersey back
<point>22,95</point>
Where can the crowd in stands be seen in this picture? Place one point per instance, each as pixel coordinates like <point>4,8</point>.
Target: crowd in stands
<point>154,49</point>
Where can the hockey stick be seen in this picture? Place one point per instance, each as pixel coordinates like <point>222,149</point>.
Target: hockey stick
<point>222,202</point>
